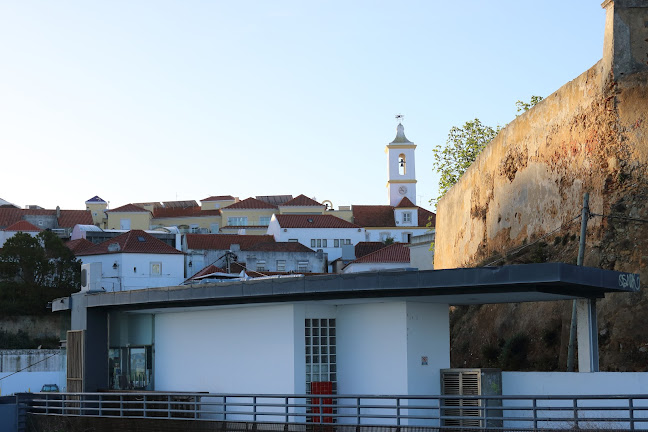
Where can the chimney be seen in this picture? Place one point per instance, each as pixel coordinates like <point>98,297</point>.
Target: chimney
<point>58,212</point>
<point>625,45</point>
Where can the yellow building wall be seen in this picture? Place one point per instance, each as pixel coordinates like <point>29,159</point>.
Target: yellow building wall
<point>97,211</point>
<point>253,215</point>
<point>202,221</point>
<point>302,210</point>
<point>139,220</point>
<point>215,205</point>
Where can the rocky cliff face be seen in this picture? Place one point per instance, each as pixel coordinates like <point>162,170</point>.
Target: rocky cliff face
<point>527,188</point>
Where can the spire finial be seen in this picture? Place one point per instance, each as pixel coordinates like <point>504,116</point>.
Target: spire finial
<point>400,118</point>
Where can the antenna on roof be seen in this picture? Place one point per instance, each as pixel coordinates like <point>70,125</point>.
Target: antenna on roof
<point>400,118</point>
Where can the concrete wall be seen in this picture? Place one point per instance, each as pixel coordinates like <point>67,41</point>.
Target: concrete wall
<point>139,220</point>
<point>590,135</point>
<point>366,267</point>
<point>380,234</point>
<point>30,381</point>
<point>565,383</point>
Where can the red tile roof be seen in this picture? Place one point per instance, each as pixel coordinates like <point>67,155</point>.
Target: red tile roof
<point>425,216</point>
<point>134,241</point>
<point>219,198</point>
<point>383,216</point>
<point>23,226</point>
<point>224,241</point>
<point>79,245</point>
<point>374,215</point>
<point>238,227</point>
<point>365,248</point>
<point>128,208</point>
<point>278,247</point>
<point>405,202</point>
<point>251,203</point>
<point>183,212</point>
<point>68,218</point>
<point>302,200</point>
<point>208,270</point>
<point>394,253</point>
<point>313,221</point>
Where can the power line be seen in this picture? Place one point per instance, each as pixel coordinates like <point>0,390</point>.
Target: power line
<point>620,217</point>
<point>519,248</point>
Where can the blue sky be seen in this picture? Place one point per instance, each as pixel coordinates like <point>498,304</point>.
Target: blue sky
<point>162,100</point>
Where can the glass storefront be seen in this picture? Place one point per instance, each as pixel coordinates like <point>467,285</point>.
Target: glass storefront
<point>131,368</point>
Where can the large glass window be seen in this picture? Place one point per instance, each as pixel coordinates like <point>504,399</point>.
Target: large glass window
<point>237,221</point>
<point>130,368</point>
<point>321,364</point>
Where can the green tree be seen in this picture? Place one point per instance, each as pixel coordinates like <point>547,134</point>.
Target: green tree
<point>35,270</point>
<point>463,146</point>
<point>461,149</point>
<point>526,106</point>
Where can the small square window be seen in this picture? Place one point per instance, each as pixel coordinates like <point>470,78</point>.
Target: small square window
<point>156,269</point>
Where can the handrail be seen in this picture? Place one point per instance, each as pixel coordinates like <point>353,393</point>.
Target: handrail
<point>445,411</point>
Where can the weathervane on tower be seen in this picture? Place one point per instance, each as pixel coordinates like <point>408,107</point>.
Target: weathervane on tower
<point>400,118</point>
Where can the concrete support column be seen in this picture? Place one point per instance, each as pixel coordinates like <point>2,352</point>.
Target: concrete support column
<point>588,356</point>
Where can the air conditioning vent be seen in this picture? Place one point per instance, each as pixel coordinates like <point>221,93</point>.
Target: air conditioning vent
<point>470,412</point>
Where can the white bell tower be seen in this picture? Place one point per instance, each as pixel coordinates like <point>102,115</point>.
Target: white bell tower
<point>402,174</point>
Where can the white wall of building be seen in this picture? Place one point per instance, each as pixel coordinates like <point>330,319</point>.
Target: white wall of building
<point>305,235</point>
<point>575,383</point>
<point>367,267</point>
<point>6,235</point>
<point>134,270</point>
<point>398,234</point>
<point>30,381</point>
<point>233,350</point>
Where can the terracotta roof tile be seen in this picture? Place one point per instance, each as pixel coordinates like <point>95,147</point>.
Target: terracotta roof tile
<point>425,216</point>
<point>208,270</point>
<point>128,208</point>
<point>313,221</point>
<point>224,241</point>
<point>219,198</point>
<point>79,245</point>
<point>134,241</point>
<point>405,202</point>
<point>278,247</point>
<point>238,227</point>
<point>251,203</point>
<point>183,212</point>
<point>274,199</point>
<point>374,215</point>
<point>365,248</point>
<point>302,200</point>
<point>23,226</point>
<point>70,218</point>
<point>394,253</point>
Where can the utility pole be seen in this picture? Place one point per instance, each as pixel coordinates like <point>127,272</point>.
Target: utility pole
<point>579,261</point>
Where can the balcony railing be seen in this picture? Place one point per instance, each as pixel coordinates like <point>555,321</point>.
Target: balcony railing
<point>627,412</point>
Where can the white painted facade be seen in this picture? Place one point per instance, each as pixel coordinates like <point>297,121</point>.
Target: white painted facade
<point>261,349</point>
<point>401,168</point>
<point>129,271</point>
<point>368,267</point>
<point>400,235</point>
<point>305,236</point>
<point>6,235</point>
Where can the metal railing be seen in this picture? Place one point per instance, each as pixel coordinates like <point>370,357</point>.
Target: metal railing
<point>628,412</point>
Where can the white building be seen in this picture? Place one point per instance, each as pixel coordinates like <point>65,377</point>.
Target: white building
<point>326,232</point>
<point>133,260</point>
<point>13,229</point>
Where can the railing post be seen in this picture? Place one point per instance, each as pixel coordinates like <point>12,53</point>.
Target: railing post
<point>358,411</point>
<point>254,408</point>
<point>286,406</point>
<point>64,405</point>
<point>535,414</point>
<point>144,407</point>
<point>121,405</point>
<point>225,408</point>
<point>631,412</point>
<point>398,412</point>
<point>100,405</point>
<point>484,403</point>
<point>196,406</point>
<point>576,413</point>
